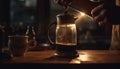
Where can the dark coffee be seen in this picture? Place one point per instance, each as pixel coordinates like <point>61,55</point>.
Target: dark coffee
<point>66,50</point>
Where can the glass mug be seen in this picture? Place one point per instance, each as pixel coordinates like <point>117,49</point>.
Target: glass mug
<point>18,45</point>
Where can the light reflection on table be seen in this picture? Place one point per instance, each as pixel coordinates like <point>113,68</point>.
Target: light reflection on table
<point>85,57</point>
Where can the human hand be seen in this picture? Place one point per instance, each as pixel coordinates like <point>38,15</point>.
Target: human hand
<point>99,14</point>
<point>63,3</point>
<point>106,13</point>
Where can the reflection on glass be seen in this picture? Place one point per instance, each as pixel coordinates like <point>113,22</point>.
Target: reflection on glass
<point>66,34</point>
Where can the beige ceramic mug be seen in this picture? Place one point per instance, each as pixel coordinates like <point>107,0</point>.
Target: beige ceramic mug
<point>18,45</point>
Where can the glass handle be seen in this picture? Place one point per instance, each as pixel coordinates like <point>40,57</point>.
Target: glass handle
<point>49,37</point>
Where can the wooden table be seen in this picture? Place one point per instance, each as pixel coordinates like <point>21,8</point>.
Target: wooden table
<point>86,57</point>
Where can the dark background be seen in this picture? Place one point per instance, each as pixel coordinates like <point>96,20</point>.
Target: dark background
<point>40,16</point>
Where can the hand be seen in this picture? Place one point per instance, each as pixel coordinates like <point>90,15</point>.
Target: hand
<point>63,3</point>
<point>106,14</point>
<point>99,14</point>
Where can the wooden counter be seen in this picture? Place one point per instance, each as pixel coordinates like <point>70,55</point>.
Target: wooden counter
<point>85,57</point>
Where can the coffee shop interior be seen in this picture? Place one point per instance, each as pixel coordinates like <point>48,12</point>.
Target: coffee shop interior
<point>53,30</point>
<point>17,15</point>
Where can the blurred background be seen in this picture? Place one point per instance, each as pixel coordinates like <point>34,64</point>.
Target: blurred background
<point>16,15</point>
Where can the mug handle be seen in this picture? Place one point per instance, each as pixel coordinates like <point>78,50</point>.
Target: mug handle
<point>48,34</point>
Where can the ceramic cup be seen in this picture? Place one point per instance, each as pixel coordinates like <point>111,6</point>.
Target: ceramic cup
<point>18,45</point>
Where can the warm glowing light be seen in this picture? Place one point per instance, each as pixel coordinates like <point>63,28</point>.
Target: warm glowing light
<point>75,61</point>
<point>82,13</point>
<point>83,57</point>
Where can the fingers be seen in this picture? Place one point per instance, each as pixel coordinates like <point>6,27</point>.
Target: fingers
<point>97,9</point>
<point>99,14</point>
<point>63,3</point>
<point>103,23</point>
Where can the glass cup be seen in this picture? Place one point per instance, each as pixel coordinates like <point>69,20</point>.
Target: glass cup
<point>18,45</point>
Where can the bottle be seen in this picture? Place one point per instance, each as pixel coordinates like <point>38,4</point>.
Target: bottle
<point>31,37</point>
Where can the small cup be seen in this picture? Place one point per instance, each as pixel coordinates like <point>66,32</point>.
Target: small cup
<point>18,45</point>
